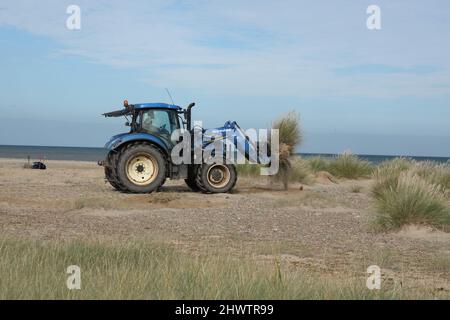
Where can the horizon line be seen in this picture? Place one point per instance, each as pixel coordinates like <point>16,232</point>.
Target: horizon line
<point>295,153</point>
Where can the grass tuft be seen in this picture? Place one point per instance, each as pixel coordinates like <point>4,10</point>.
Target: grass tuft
<point>438,174</point>
<point>347,165</point>
<point>387,173</point>
<point>290,135</point>
<point>288,126</point>
<point>318,164</point>
<point>404,197</point>
<point>300,171</point>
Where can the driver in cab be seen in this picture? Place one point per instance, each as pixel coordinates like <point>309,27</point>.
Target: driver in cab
<point>154,123</point>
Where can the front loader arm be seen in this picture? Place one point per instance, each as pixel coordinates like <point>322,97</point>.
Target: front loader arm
<point>236,137</point>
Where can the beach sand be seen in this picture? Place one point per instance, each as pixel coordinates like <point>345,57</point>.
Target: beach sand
<point>324,227</point>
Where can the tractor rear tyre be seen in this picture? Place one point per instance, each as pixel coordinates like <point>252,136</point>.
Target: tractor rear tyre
<point>110,171</point>
<point>216,178</point>
<point>112,181</point>
<point>141,168</point>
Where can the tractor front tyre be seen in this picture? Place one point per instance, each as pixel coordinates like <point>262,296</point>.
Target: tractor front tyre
<point>141,168</point>
<point>216,178</point>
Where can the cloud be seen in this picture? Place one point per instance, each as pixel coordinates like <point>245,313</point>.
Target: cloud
<point>295,48</point>
<point>380,69</point>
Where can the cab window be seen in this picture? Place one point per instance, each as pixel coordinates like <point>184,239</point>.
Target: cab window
<point>159,122</point>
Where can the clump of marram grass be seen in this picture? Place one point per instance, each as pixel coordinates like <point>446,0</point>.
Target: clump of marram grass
<point>400,163</point>
<point>410,192</point>
<point>347,165</point>
<point>300,170</point>
<point>438,174</point>
<point>318,164</point>
<point>290,136</point>
<point>411,199</point>
<point>288,127</point>
<point>387,173</point>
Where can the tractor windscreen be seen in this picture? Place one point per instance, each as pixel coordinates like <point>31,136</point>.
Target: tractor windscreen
<point>159,122</point>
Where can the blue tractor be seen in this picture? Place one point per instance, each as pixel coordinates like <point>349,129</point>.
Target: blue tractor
<point>140,160</point>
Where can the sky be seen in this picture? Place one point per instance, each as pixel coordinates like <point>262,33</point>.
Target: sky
<point>383,91</point>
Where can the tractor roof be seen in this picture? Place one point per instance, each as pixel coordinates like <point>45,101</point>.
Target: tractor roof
<point>142,106</point>
<point>156,105</point>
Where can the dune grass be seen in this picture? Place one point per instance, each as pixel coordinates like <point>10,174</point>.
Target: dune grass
<point>408,192</point>
<point>145,270</point>
<point>318,164</point>
<point>299,171</point>
<point>347,165</point>
<point>387,173</point>
<point>290,136</point>
<point>438,174</point>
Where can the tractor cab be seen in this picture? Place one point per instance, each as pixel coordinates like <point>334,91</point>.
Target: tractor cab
<point>157,119</point>
<point>159,122</point>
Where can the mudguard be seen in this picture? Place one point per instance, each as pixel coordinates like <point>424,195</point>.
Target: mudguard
<point>118,140</point>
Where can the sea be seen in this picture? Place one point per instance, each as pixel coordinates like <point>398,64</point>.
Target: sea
<point>96,154</point>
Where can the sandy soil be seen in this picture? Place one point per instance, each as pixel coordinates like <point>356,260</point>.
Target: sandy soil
<point>323,227</point>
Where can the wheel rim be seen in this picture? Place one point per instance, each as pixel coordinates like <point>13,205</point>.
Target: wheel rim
<point>218,175</point>
<point>141,169</point>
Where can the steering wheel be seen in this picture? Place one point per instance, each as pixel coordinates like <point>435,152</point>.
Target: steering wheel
<point>163,129</point>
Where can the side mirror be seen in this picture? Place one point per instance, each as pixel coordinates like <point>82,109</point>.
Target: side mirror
<point>127,124</point>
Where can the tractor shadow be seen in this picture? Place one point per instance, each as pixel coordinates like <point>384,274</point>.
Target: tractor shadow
<point>175,189</point>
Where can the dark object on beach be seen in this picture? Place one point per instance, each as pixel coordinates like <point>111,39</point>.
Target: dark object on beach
<point>39,165</point>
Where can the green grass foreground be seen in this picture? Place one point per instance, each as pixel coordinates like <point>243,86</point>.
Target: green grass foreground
<point>140,270</point>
